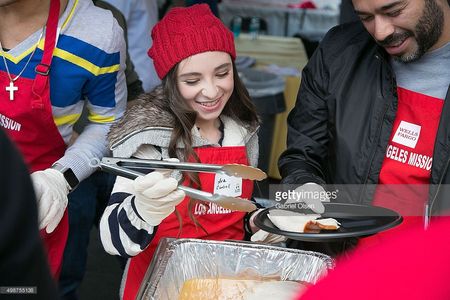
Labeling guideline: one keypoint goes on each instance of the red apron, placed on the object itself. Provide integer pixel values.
(220, 223)
(405, 173)
(31, 126)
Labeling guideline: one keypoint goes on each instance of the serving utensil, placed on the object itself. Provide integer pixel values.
(233, 203)
(238, 170)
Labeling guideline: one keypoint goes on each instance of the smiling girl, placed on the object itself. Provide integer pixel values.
(201, 112)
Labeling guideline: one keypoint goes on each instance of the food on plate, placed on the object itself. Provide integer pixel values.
(315, 226)
(239, 289)
(302, 223)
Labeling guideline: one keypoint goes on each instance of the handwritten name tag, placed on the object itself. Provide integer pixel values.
(227, 185)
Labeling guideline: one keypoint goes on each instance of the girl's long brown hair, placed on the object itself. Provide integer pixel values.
(239, 107)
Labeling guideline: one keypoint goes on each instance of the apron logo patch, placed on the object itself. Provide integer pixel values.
(407, 134)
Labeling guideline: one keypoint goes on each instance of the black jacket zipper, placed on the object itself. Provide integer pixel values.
(378, 56)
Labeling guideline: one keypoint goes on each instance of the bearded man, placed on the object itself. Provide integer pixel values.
(373, 110)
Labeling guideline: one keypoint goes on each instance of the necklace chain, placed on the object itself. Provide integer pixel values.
(26, 64)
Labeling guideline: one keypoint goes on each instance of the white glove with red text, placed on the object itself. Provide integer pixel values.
(262, 236)
(156, 196)
(51, 189)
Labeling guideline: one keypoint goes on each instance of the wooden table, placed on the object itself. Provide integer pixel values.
(267, 49)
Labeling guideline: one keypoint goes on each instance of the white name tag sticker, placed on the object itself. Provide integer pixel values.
(227, 185)
(407, 134)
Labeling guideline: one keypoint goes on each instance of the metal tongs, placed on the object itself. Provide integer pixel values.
(237, 170)
(127, 168)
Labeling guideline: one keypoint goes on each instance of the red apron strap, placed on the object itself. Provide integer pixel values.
(43, 68)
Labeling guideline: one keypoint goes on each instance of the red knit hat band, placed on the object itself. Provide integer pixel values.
(184, 32)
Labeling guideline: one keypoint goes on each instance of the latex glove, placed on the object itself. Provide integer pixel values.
(265, 237)
(262, 236)
(307, 193)
(51, 189)
(156, 196)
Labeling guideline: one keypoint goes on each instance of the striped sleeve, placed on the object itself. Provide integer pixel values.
(122, 231)
(107, 86)
(105, 89)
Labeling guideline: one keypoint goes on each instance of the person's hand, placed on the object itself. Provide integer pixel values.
(156, 196)
(261, 236)
(51, 189)
(312, 194)
(265, 237)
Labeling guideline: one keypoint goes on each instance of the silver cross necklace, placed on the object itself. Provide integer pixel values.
(11, 88)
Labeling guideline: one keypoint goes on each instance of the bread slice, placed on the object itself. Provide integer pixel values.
(239, 289)
(301, 223)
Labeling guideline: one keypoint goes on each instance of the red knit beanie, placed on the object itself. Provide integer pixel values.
(185, 31)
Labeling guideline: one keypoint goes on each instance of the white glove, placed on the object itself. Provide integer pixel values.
(262, 236)
(312, 194)
(265, 237)
(156, 196)
(51, 189)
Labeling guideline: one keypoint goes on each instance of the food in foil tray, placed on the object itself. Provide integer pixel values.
(239, 289)
(203, 269)
(299, 222)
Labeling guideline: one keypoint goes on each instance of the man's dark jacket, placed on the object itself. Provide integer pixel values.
(22, 259)
(339, 130)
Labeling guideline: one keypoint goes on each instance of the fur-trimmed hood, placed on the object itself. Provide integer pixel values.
(146, 112)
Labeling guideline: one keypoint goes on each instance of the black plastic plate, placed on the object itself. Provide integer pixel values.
(356, 221)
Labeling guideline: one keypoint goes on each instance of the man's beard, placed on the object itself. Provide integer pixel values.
(7, 2)
(427, 32)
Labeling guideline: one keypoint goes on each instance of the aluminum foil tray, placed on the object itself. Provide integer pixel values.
(177, 260)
